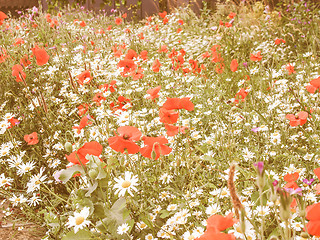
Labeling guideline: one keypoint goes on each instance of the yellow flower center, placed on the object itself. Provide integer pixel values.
(4, 181)
(79, 220)
(126, 184)
(17, 200)
(27, 168)
(38, 182)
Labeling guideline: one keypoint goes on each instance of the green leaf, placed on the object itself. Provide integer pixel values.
(117, 215)
(91, 188)
(99, 210)
(66, 174)
(164, 214)
(80, 235)
(209, 158)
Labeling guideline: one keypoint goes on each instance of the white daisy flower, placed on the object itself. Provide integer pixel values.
(4, 181)
(79, 220)
(34, 200)
(126, 185)
(123, 228)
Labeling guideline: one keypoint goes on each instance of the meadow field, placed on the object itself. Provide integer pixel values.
(173, 127)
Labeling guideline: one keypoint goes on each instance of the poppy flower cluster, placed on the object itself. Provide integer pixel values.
(128, 135)
(169, 116)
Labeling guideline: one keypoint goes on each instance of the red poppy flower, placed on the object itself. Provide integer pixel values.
(211, 234)
(41, 55)
(3, 55)
(279, 40)
(153, 92)
(13, 122)
(2, 17)
(156, 65)
(98, 98)
(313, 215)
(290, 69)
(165, 20)
(125, 141)
(25, 61)
(127, 64)
(178, 103)
(299, 120)
(155, 144)
(240, 95)
(256, 57)
(84, 77)
(163, 14)
(83, 123)
(131, 54)
(317, 173)
(174, 130)
(83, 24)
(91, 148)
(232, 15)
(83, 108)
(118, 21)
(314, 84)
(168, 116)
(163, 49)
(31, 139)
(18, 41)
(234, 65)
(137, 74)
(216, 224)
(18, 73)
(124, 15)
(227, 24)
(290, 179)
(144, 55)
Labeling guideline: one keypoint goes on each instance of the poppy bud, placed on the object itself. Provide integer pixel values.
(93, 173)
(284, 213)
(302, 213)
(68, 147)
(260, 182)
(273, 197)
(304, 235)
(153, 155)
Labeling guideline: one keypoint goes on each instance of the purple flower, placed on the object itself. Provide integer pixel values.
(275, 183)
(245, 64)
(292, 191)
(255, 129)
(308, 182)
(259, 166)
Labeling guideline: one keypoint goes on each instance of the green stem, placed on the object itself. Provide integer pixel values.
(262, 217)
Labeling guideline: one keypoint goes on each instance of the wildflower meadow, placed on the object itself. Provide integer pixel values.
(176, 126)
